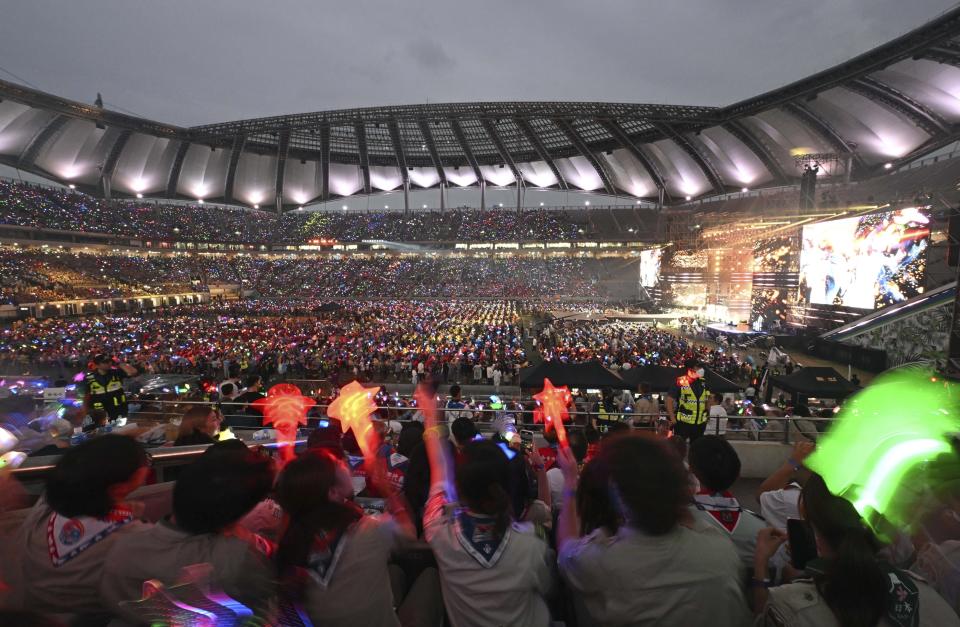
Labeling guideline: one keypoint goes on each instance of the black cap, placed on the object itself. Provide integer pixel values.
(691, 364)
(101, 358)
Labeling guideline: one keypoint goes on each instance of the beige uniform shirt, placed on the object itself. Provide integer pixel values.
(241, 570)
(355, 588)
(54, 564)
(689, 576)
(511, 591)
(800, 605)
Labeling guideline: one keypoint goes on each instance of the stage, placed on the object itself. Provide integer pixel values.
(732, 332)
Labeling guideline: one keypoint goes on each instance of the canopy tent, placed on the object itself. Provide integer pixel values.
(590, 374)
(817, 382)
(663, 378)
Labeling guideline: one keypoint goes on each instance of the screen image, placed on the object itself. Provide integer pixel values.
(865, 262)
(650, 267)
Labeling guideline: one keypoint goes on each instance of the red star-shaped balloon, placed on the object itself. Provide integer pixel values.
(552, 409)
(353, 408)
(285, 408)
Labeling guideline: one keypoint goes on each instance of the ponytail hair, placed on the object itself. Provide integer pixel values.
(303, 493)
(853, 584)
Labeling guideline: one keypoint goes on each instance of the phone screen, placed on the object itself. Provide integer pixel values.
(803, 545)
(526, 439)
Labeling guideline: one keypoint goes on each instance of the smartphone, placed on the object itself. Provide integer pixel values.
(526, 439)
(803, 545)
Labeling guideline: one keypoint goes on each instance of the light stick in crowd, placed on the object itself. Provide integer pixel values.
(552, 409)
(881, 449)
(353, 408)
(286, 409)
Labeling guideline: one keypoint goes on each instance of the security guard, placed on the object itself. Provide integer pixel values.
(102, 387)
(688, 403)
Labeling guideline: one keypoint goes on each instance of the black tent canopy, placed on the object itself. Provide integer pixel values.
(814, 381)
(663, 378)
(590, 374)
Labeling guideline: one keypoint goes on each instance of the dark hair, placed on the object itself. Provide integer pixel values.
(303, 492)
(329, 437)
(193, 419)
(651, 481)
(79, 483)
(220, 487)
(463, 430)
(455, 391)
(411, 434)
(717, 396)
(715, 462)
(853, 584)
(594, 507)
(251, 381)
(483, 481)
(578, 444)
(679, 445)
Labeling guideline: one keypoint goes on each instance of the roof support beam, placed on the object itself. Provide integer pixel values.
(239, 140)
(581, 146)
(897, 101)
(621, 136)
(822, 128)
(174, 178)
(398, 150)
(110, 163)
(527, 129)
(749, 139)
(283, 147)
(687, 146)
(465, 146)
(491, 130)
(943, 54)
(325, 162)
(361, 131)
(432, 149)
(29, 155)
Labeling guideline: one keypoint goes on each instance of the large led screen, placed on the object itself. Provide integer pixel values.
(865, 262)
(650, 267)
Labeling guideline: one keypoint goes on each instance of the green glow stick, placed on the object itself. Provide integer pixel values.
(884, 434)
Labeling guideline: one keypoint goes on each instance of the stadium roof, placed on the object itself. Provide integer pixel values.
(887, 106)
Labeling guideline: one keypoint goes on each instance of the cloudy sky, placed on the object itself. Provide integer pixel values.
(197, 61)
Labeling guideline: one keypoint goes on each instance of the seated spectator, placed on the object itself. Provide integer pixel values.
(334, 559)
(211, 495)
(666, 565)
(199, 425)
(716, 465)
(717, 420)
(780, 492)
(847, 585)
(493, 571)
(56, 561)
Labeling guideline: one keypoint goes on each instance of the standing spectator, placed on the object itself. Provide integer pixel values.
(717, 422)
(57, 559)
(102, 386)
(477, 374)
(497, 376)
(646, 411)
(493, 571)
(661, 562)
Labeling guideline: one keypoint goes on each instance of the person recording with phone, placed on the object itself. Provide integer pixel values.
(844, 582)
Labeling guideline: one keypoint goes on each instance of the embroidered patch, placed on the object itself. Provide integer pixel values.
(477, 536)
(69, 537)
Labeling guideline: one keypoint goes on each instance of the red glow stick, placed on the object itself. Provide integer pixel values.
(353, 408)
(286, 409)
(552, 410)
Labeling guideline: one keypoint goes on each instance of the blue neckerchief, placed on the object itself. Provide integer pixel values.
(477, 536)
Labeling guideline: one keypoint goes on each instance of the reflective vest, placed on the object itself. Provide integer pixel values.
(692, 409)
(106, 397)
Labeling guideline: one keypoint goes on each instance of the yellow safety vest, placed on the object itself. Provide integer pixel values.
(114, 389)
(692, 409)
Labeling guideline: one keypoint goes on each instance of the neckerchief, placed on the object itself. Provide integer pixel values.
(723, 506)
(476, 534)
(903, 596)
(325, 555)
(69, 537)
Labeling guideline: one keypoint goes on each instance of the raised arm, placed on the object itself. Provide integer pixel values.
(568, 524)
(436, 451)
(785, 473)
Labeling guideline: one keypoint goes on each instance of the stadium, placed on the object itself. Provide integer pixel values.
(470, 363)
